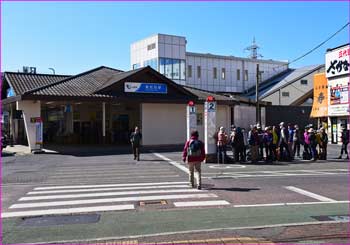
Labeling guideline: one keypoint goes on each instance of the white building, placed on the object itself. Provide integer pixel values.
(167, 54)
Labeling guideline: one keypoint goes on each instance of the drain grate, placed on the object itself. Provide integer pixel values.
(157, 202)
(61, 220)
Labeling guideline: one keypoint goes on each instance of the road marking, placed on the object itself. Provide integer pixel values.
(175, 164)
(105, 194)
(226, 167)
(106, 189)
(309, 194)
(287, 204)
(108, 185)
(201, 203)
(67, 211)
(106, 200)
(108, 173)
(116, 177)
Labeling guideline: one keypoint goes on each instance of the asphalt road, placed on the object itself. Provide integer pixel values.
(70, 198)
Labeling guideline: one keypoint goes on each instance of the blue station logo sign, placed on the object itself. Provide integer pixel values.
(151, 88)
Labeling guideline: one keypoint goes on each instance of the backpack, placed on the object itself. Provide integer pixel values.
(194, 148)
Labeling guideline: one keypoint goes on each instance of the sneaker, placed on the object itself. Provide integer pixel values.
(339, 157)
(347, 157)
(199, 187)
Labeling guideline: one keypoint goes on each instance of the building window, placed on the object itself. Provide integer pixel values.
(238, 74)
(151, 46)
(152, 63)
(198, 72)
(215, 73)
(285, 94)
(182, 70)
(176, 69)
(245, 75)
(162, 65)
(189, 71)
(223, 73)
(303, 82)
(168, 68)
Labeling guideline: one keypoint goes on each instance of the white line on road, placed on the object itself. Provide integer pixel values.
(105, 189)
(287, 204)
(107, 185)
(175, 164)
(309, 194)
(106, 194)
(67, 211)
(115, 176)
(106, 200)
(202, 203)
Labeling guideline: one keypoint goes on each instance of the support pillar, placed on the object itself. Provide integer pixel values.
(191, 117)
(210, 129)
(30, 109)
(104, 122)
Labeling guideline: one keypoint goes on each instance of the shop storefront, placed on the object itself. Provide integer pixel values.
(337, 73)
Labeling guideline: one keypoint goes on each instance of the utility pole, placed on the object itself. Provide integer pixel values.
(257, 94)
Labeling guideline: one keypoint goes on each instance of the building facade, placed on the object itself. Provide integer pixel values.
(337, 74)
(103, 105)
(167, 54)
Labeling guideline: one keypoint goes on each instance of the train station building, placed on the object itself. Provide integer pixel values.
(104, 104)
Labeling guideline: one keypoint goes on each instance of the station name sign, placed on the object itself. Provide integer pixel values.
(150, 88)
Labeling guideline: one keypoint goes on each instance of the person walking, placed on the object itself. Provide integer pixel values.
(275, 140)
(253, 141)
(296, 141)
(323, 145)
(313, 143)
(194, 154)
(238, 143)
(231, 141)
(221, 143)
(244, 150)
(268, 138)
(135, 139)
(290, 139)
(284, 149)
(345, 142)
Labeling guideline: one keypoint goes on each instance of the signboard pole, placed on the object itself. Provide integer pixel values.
(191, 117)
(210, 129)
(38, 134)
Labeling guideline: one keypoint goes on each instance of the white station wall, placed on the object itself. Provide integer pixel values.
(165, 124)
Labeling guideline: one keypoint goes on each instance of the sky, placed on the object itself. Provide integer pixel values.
(73, 37)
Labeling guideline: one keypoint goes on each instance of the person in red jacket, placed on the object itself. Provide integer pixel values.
(194, 153)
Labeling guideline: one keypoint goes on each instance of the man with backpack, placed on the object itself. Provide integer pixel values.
(194, 153)
(135, 139)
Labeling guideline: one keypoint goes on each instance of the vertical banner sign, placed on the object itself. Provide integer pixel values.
(39, 132)
(210, 125)
(191, 118)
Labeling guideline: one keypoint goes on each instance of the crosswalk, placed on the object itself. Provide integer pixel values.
(73, 199)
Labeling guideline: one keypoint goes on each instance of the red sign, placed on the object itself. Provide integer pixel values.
(210, 98)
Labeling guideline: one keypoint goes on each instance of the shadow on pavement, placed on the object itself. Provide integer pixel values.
(234, 189)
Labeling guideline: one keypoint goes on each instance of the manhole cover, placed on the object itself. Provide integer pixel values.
(61, 220)
(343, 218)
(157, 202)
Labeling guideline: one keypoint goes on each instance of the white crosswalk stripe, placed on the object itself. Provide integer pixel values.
(72, 199)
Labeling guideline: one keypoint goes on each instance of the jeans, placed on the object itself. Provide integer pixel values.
(221, 153)
(296, 148)
(136, 151)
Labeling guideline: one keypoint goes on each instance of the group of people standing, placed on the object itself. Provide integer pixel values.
(275, 143)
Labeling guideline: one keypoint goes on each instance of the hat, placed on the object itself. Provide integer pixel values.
(221, 128)
(267, 128)
(281, 123)
(311, 130)
(258, 125)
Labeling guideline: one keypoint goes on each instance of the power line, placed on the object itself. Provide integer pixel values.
(309, 52)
